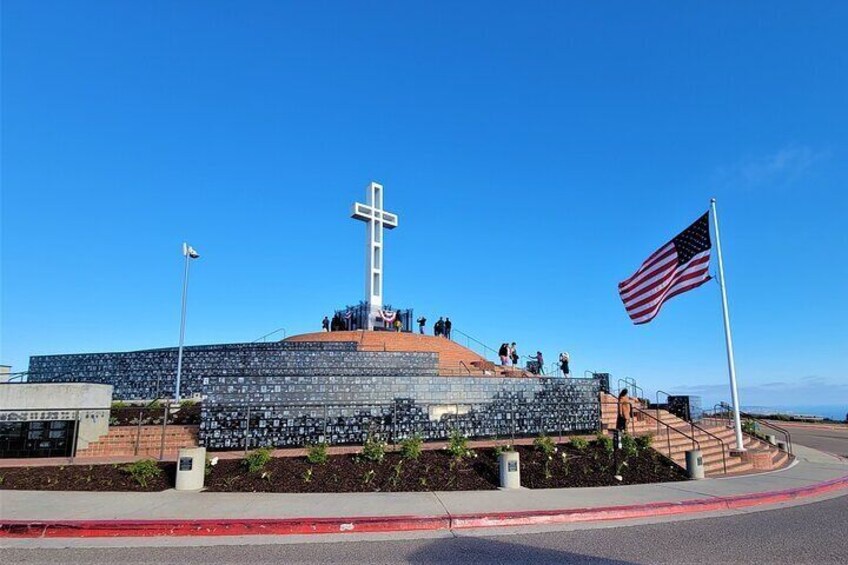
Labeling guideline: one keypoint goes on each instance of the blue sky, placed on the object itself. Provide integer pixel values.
(535, 154)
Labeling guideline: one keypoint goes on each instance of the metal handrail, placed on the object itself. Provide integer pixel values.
(485, 347)
(462, 363)
(721, 441)
(262, 338)
(631, 383)
(760, 421)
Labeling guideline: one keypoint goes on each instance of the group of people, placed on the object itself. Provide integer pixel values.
(337, 324)
(508, 354)
(442, 327)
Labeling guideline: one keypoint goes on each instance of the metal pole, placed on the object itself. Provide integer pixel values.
(731, 364)
(138, 430)
(164, 426)
(182, 326)
(75, 437)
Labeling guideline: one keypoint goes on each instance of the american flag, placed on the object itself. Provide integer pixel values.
(680, 265)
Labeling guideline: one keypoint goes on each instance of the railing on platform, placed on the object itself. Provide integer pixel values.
(474, 345)
(723, 412)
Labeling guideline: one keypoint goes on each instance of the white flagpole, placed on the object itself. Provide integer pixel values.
(177, 391)
(731, 364)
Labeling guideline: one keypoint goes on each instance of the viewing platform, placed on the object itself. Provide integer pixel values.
(454, 359)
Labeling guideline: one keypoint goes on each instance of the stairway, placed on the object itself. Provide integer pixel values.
(673, 437)
(121, 441)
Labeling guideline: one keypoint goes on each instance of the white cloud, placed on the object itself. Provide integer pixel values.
(778, 169)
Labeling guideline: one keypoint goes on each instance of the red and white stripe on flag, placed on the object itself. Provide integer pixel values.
(680, 265)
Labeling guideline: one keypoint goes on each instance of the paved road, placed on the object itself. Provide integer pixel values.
(832, 440)
(813, 533)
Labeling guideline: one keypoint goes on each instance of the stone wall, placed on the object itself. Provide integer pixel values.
(151, 373)
(280, 411)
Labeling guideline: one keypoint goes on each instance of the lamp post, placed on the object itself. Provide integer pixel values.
(189, 253)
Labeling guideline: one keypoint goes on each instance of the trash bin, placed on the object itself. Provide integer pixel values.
(510, 470)
(191, 468)
(772, 440)
(694, 464)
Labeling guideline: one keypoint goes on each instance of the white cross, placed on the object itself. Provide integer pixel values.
(376, 219)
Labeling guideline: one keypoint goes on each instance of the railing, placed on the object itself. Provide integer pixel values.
(669, 428)
(269, 334)
(631, 384)
(727, 409)
(694, 427)
(460, 337)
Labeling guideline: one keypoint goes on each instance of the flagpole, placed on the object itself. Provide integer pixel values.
(731, 364)
(182, 325)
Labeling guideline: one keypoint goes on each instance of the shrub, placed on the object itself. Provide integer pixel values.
(579, 443)
(317, 454)
(154, 405)
(374, 449)
(458, 445)
(118, 404)
(411, 447)
(605, 442)
(210, 462)
(545, 444)
(307, 475)
(749, 427)
(644, 442)
(187, 402)
(142, 471)
(257, 459)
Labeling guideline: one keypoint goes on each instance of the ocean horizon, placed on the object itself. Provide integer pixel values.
(831, 411)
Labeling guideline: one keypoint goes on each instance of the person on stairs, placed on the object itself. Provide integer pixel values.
(625, 411)
(422, 321)
(563, 364)
(513, 354)
(325, 324)
(503, 353)
(448, 325)
(439, 327)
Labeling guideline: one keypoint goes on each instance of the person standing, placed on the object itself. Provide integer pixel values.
(540, 361)
(422, 321)
(513, 354)
(625, 411)
(503, 353)
(439, 327)
(398, 324)
(325, 324)
(563, 364)
(448, 326)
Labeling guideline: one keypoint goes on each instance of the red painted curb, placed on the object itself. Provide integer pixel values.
(262, 526)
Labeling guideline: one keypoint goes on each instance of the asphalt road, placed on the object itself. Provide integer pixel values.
(831, 440)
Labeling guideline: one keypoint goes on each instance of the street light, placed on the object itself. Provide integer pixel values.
(189, 253)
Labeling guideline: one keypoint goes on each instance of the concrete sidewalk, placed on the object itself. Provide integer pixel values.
(815, 472)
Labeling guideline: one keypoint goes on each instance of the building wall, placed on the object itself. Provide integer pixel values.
(294, 411)
(59, 401)
(149, 374)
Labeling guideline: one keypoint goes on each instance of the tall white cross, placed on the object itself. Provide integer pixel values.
(376, 219)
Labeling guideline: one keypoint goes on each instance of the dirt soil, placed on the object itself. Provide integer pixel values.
(83, 478)
(433, 470)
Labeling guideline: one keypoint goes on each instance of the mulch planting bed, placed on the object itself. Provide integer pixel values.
(434, 470)
(83, 478)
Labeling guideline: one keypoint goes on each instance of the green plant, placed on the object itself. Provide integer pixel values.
(411, 447)
(749, 427)
(368, 476)
(546, 445)
(629, 446)
(154, 405)
(644, 442)
(187, 402)
(605, 442)
(210, 462)
(3, 479)
(257, 459)
(458, 446)
(397, 469)
(119, 404)
(307, 475)
(317, 454)
(579, 443)
(500, 449)
(142, 471)
(374, 449)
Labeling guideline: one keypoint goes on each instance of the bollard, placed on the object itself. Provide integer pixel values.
(510, 470)
(191, 468)
(694, 464)
(772, 440)
(781, 445)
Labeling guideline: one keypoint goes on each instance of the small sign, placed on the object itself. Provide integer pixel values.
(185, 463)
(512, 466)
